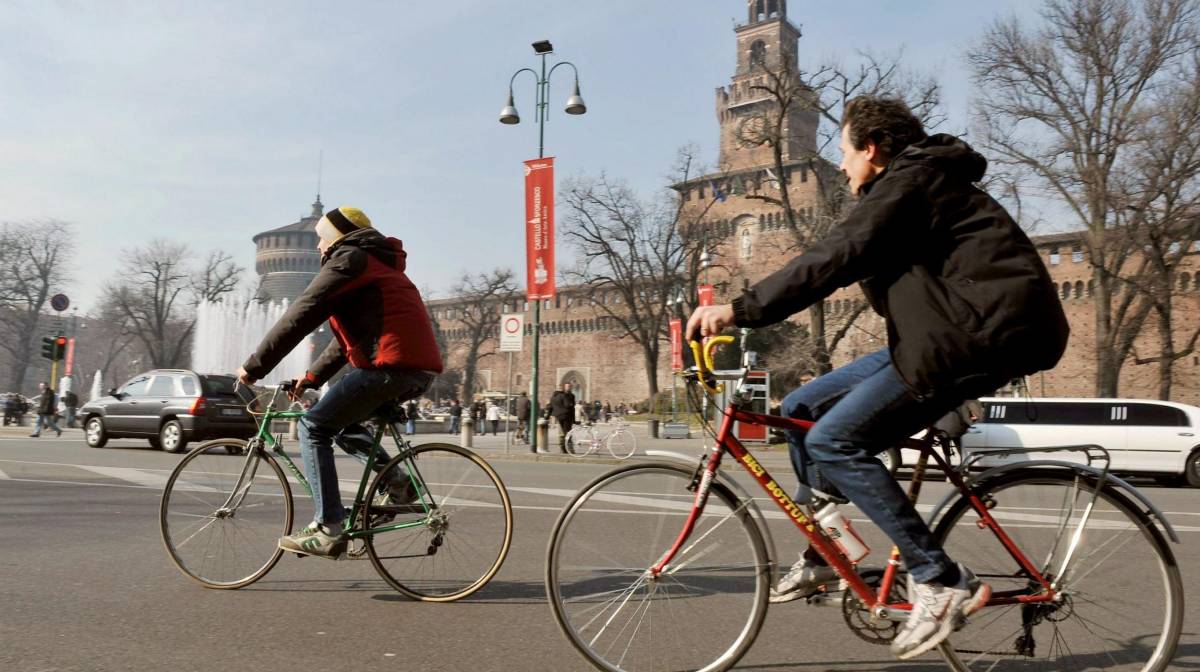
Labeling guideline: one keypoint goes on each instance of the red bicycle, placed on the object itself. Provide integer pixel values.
(667, 565)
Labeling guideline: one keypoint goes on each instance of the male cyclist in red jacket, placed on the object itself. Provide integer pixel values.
(382, 330)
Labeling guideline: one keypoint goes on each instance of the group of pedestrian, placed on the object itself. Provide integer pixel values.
(15, 408)
(48, 408)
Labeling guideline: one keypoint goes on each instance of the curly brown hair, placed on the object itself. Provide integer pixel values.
(885, 121)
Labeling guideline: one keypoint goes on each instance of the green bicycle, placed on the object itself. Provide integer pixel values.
(221, 521)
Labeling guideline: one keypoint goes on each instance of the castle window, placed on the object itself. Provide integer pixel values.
(1076, 253)
(1184, 281)
(1055, 258)
(1066, 290)
(747, 244)
(804, 173)
(1091, 288)
(1078, 289)
(758, 54)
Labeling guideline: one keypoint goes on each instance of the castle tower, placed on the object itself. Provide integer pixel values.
(286, 259)
(766, 42)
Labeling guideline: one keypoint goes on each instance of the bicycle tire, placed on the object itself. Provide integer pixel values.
(580, 441)
(468, 497)
(209, 483)
(621, 444)
(1114, 629)
(582, 569)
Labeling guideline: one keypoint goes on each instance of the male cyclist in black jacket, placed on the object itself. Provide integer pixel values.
(968, 306)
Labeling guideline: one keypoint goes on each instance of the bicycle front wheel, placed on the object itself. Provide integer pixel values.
(621, 444)
(454, 539)
(701, 613)
(581, 440)
(221, 517)
(1122, 599)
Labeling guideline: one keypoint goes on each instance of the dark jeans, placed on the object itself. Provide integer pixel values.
(45, 421)
(352, 399)
(564, 427)
(455, 424)
(860, 410)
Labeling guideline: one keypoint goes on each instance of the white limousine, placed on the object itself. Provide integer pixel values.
(1142, 436)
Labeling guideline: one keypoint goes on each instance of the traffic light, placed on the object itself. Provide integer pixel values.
(54, 348)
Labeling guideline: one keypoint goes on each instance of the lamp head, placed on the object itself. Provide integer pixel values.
(542, 47)
(509, 115)
(575, 102)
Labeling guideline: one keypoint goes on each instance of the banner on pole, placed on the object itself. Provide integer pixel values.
(70, 356)
(705, 294)
(539, 228)
(676, 345)
(512, 333)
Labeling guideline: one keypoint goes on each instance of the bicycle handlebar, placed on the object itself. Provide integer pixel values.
(703, 354)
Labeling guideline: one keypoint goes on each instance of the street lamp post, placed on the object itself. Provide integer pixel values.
(508, 115)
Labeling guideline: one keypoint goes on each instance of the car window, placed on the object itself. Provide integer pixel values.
(163, 386)
(1156, 416)
(1047, 413)
(136, 387)
(219, 385)
(189, 386)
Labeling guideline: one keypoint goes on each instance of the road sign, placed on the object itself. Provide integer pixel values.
(59, 302)
(512, 333)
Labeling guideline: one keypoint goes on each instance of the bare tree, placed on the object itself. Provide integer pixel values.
(481, 296)
(33, 260)
(216, 276)
(635, 256)
(154, 291)
(1161, 186)
(823, 93)
(1065, 102)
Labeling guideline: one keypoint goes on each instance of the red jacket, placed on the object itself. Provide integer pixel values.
(378, 318)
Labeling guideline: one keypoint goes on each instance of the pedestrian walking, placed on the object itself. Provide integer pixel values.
(70, 404)
(493, 416)
(562, 409)
(410, 413)
(523, 407)
(455, 416)
(46, 408)
(607, 412)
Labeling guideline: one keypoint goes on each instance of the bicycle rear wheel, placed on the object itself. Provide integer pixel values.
(221, 517)
(701, 613)
(1122, 605)
(621, 443)
(580, 440)
(460, 540)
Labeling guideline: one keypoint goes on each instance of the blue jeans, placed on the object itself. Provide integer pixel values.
(45, 421)
(352, 399)
(861, 409)
(455, 424)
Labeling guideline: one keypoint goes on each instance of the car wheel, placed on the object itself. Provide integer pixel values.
(891, 460)
(94, 433)
(170, 437)
(1191, 470)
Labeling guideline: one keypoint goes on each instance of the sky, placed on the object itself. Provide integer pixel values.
(203, 122)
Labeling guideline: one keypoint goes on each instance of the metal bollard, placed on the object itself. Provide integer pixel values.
(543, 430)
(468, 435)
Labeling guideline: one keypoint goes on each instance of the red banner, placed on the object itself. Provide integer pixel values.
(676, 345)
(705, 294)
(70, 356)
(539, 228)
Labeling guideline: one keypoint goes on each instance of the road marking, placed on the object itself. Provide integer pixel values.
(135, 476)
(4, 476)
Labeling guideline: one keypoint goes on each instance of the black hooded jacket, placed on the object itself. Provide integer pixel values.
(967, 300)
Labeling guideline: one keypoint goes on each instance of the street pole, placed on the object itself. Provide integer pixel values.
(508, 115)
(507, 406)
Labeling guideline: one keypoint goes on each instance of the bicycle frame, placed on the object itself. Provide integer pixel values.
(876, 601)
(264, 439)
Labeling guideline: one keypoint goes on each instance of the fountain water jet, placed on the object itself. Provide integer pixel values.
(229, 330)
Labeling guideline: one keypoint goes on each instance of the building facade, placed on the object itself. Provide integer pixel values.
(286, 258)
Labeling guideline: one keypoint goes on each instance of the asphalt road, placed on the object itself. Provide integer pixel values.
(86, 585)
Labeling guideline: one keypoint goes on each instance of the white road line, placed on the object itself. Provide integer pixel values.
(135, 476)
(4, 476)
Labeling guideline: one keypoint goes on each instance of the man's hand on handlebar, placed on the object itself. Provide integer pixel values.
(295, 388)
(709, 321)
(243, 377)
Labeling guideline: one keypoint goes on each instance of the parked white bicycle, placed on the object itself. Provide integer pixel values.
(588, 439)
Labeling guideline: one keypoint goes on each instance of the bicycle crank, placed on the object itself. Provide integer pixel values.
(859, 618)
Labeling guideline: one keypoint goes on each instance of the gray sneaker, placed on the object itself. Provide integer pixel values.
(937, 612)
(401, 497)
(313, 540)
(804, 580)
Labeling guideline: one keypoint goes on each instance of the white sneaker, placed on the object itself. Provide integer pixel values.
(938, 611)
(804, 579)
